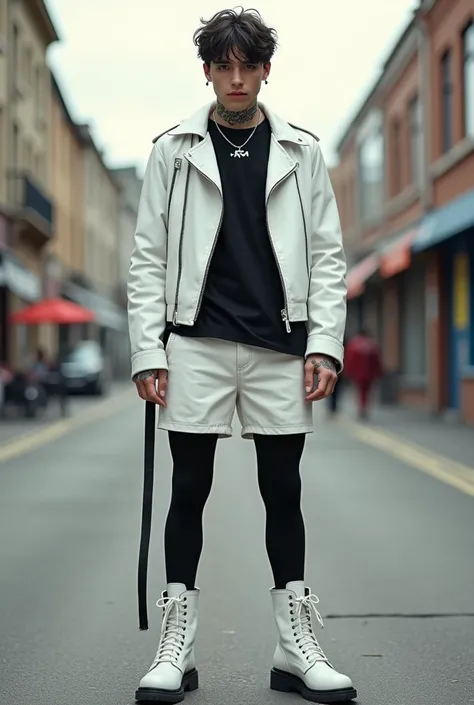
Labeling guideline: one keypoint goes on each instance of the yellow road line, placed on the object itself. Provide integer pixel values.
(28, 442)
(443, 469)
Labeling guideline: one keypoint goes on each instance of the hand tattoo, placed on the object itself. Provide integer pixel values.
(328, 364)
(146, 374)
(236, 117)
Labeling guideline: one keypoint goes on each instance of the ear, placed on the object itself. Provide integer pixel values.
(207, 72)
(266, 71)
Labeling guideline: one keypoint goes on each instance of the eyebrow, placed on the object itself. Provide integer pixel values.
(226, 62)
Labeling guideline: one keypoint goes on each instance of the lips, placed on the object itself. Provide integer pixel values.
(237, 94)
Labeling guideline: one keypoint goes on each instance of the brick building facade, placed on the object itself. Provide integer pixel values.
(405, 189)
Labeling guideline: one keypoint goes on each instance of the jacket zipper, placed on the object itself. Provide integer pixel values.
(177, 167)
(284, 312)
(180, 246)
(285, 316)
(305, 229)
(201, 293)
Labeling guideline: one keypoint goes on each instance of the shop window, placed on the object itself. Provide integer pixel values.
(416, 140)
(371, 171)
(446, 102)
(468, 73)
(396, 157)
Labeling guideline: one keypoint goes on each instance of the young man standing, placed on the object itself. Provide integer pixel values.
(237, 300)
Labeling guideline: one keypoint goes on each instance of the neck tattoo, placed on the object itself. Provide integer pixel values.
(236, 117)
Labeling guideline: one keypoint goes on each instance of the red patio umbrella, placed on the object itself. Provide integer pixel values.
(53, 311)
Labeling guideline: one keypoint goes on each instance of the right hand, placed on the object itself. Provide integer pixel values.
(147, 388)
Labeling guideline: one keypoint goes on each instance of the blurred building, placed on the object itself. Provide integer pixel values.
(95, 286)
(65, 254)
(61, 214)
(26, 207)
(131, 186)
(405, 189)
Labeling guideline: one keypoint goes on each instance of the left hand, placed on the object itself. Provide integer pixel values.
(324, 369)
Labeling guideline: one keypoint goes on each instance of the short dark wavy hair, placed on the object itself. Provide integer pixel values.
(243, 33)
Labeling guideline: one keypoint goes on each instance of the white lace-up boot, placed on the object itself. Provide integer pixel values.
(173, 671)
(299, 663)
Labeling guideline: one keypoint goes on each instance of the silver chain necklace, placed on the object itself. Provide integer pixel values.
(239, 149)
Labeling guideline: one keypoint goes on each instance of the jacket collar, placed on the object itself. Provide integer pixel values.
(197, 125)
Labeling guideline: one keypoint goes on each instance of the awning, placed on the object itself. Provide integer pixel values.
(358, 275)
(452, 219)
(58, 311)
(396, 257)
(18, 279)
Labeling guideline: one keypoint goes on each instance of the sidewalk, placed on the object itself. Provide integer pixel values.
(444, 438)
(14, 428)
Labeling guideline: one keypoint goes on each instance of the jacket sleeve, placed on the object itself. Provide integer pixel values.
(147, 273)
(327, 291)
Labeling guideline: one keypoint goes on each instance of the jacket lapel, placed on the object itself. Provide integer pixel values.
(203, 158)
(280, 165)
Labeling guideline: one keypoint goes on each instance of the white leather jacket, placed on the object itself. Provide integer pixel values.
(179, 219)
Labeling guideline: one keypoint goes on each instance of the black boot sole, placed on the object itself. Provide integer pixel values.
(154, 695)
(288, 683)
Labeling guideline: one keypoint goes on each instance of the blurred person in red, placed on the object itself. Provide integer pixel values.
(363, 366)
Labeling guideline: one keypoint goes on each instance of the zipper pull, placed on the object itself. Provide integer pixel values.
(284, 316)
(177, 164)
(175, 318)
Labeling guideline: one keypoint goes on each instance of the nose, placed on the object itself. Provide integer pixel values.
(237, 81)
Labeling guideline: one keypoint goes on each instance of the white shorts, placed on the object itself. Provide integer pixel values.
(208, 379)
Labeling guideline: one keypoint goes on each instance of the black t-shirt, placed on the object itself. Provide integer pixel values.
(243, 296)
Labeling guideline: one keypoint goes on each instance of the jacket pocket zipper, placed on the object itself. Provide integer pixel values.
(305, 231)
(177, 167)
(180, 245)
(285, 316)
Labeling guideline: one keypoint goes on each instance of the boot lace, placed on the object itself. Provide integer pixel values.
(173, 629)
(307, 640)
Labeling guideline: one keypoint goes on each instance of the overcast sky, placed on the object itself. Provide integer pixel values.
(130, 67)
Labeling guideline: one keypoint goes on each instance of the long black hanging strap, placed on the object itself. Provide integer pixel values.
(147, 508)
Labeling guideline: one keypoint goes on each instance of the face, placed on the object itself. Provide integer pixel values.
(236, 83)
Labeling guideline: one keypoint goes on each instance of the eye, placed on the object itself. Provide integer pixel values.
(222, 67)
(251, 67)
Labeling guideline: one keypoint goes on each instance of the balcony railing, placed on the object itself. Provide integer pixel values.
(36, 201)
(32, 204)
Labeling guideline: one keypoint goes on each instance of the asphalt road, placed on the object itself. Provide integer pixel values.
(390, 554)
